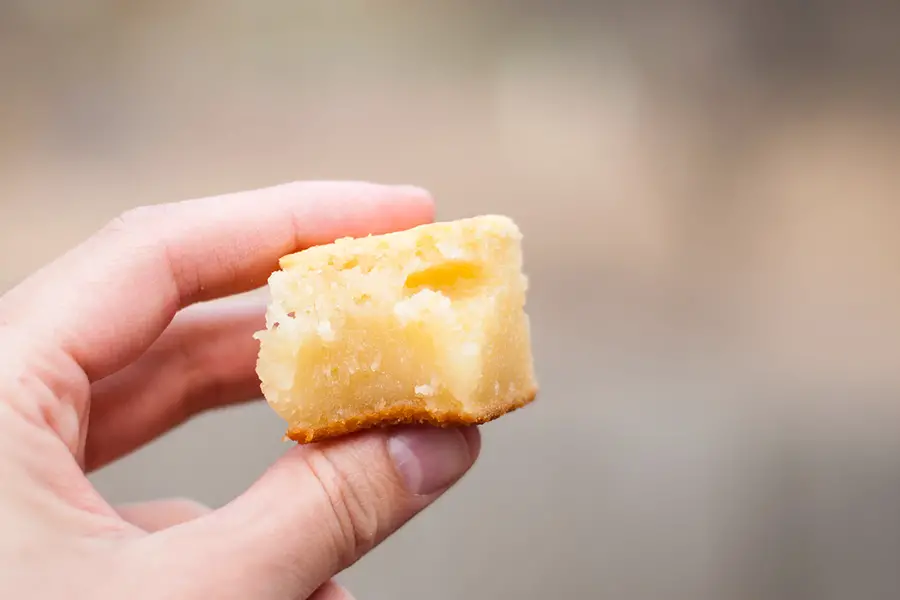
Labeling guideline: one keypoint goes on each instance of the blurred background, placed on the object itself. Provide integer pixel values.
(710, 194)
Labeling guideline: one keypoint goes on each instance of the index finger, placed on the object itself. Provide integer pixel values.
(107, 300)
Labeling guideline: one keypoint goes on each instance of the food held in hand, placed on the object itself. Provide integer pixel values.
(426, 325)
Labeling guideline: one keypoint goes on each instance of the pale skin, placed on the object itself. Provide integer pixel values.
(127, 336)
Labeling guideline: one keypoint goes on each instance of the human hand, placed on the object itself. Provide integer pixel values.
(101, 333)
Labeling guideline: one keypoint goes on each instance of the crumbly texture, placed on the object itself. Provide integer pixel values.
(421, 326)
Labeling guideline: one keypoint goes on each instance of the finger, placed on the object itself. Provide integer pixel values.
(321, 507)
(205, 359)
(162, 514)
(331, 591)
(107, 300)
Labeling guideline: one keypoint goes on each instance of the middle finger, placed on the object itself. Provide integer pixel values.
(205, 359)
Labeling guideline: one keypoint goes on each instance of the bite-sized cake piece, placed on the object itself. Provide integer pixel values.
(420, 326)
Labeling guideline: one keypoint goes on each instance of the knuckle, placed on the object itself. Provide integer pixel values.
(142, 220)
(148, 231)
(45, 387)
(133, 218)
(352, 499)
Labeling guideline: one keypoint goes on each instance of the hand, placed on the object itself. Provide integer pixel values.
(102, 333)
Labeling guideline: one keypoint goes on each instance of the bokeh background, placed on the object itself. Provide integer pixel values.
(710, 193)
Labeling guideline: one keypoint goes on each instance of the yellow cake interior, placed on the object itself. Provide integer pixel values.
(424, 325)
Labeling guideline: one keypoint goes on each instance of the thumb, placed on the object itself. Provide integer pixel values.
(319, 509)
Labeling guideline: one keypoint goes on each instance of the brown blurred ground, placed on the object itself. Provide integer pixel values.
(710, 193)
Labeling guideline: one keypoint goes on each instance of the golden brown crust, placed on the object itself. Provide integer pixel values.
(405, 415)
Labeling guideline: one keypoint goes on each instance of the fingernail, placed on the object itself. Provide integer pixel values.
(429, 458)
